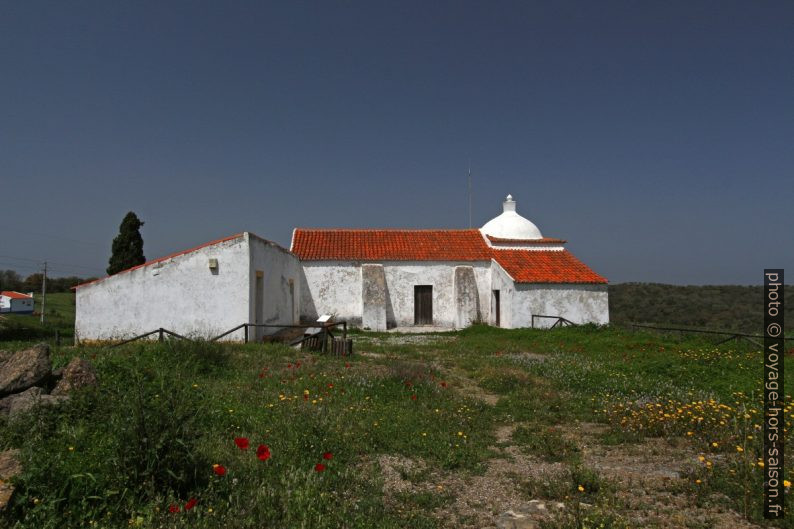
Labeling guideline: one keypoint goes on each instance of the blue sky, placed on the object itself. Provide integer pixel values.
(656, 137)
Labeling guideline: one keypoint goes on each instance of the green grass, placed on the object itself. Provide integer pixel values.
(59, 316)
(165, 413)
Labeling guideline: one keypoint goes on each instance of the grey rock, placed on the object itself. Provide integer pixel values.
(21, 402)
(79, 373)
(25, 369)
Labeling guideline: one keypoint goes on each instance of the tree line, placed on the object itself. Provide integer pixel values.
(721, 307)
(11, 280)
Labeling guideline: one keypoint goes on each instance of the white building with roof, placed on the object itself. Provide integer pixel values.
(506, 274)
(502, 274)
(200, 292)
(16, 302)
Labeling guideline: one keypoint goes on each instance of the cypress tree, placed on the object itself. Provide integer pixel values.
(127, 246)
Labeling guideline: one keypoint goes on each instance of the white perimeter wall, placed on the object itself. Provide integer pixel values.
(181, 294)
(334, 287)
(578, 303)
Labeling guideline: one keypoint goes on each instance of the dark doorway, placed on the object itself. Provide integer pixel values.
(423, 305)
(497, 309)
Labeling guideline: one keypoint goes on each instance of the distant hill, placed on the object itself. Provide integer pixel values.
(728, 307)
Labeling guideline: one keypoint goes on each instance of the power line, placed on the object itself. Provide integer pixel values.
(60, 264)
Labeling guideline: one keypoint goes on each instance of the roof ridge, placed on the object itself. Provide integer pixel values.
(169, 256)
(388, 229)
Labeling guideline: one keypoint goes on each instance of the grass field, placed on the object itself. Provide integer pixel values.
(440, 430)
(59, 316)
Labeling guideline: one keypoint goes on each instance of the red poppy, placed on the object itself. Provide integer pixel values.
(261, 375)
(297, 364)
(328, 455)
(330, 386)
(443, 384)
(241, 442)
(319, 467)
(289, 366)
(173, 508)
(220, 470)
(191, 503)
(347, 365)
(263, 452)
(413, 397)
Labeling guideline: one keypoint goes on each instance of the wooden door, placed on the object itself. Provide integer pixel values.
(423, 305)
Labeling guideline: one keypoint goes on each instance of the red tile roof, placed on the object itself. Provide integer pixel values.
(524, 266)
(14, 295)
(545, 266)
(544, 240)
(153, 261)
(389, 245)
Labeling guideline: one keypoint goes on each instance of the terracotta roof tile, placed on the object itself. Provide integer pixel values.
(525, 266)
(14, 295)
(389, 245)
(545, 266)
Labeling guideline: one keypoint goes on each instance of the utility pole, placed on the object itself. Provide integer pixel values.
(470, 194)
(43, 291)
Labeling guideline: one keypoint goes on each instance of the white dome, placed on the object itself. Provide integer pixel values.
(511, 225)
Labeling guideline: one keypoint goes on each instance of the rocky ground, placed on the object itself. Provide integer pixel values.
(27, 380)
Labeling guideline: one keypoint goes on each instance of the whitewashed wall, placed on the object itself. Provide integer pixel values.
(279, 268)
(331, 287)
(181, 294)
(334, 287)
(184, 295)
(578, 303)
(401, 277)
(501, 281)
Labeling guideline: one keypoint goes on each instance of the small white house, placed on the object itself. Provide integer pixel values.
(16, 302)
(506, 274)
(200, 292)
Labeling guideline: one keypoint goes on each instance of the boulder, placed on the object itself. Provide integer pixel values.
(9, 467)
(28, 399)
(25, 369)
(77, 374)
